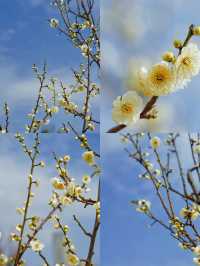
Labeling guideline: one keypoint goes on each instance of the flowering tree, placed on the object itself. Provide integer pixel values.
(78, 21)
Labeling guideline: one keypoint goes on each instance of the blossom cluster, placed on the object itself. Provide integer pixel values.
(170, 75)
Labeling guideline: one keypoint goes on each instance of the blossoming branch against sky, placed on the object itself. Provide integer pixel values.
(144, 242)
(49, 62)
(133, 50)
(154, 33)
(27, 38)
(32, 41)
(12, 158)
(171, 74)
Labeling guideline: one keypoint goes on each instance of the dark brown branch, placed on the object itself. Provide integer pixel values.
(189, 36)
(93, 235)
(116, 129)
(81, 226)
(149, 106)
(44, 258)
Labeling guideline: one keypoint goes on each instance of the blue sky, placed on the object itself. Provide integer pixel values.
(26, 37)
(13, 181)
(125, 234)
(32, 40)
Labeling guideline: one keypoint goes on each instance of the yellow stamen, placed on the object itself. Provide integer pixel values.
(127, 108)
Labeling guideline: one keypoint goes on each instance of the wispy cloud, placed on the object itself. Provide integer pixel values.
(16, 88)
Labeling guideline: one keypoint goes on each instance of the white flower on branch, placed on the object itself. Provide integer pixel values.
(64, 200)
(57, 183)
(3, 259)
(54, 23)
(88, 157)
(72, 259)
(196, 250)
(155, 142)
(127, 108)
(196, 260)
(197, 148)
(86, 179)
(143, 206)
(188, 62)
(187, 213)
(36, 245)
(55, 109)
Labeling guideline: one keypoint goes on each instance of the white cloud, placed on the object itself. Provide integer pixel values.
(17, 89)
(111, 58)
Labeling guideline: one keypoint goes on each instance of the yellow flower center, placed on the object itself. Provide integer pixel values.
(127, 108)
(187, 61)
(159, 75)
(88, 157)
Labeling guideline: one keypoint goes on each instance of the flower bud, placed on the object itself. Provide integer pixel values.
(155, 142)
(168, 57)
(196, 30)
(178, 44)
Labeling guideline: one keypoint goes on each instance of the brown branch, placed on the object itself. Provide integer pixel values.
(93, 235)
(86, 104)
(26, 246)
(81, 226)
(6, 110)
(189, 36)
(149, 106)
(117, 128)
(37, 105)
(43, 258)
(192, 184)
(28, 198)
